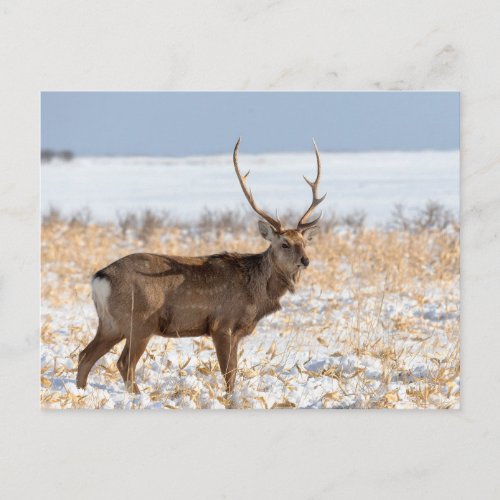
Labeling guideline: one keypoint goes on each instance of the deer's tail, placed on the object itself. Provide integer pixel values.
(101, 292)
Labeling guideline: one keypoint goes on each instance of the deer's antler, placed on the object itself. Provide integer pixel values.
(276, 223)
(302, 224)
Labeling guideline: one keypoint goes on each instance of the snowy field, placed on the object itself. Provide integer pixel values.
(373, 182)
(294, 360)
(375, 324)
(375, 321)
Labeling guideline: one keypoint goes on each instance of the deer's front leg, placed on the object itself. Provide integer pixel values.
(226, 347)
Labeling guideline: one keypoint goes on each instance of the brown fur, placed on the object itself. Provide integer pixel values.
(222, 296)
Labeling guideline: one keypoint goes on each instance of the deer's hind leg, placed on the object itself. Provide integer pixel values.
(130, 356)
(102, 343)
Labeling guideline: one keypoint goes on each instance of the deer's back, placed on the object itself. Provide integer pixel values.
(185, 296)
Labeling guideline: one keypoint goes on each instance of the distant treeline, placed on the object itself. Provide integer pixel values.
(48, 155)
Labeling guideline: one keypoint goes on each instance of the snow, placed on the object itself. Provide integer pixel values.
(341, 354)
(291, 358)
(373, 182)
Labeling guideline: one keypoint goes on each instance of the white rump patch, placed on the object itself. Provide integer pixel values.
(101, 290)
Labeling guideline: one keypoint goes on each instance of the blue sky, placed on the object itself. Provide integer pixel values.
(203, 123)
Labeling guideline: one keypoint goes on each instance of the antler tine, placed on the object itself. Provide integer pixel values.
(276, 223)
(278, 219)
(302, 224)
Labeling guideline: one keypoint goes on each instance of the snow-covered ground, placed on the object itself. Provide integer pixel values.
(348, 344)
(331, 357)
(373, 182)
(376, 332)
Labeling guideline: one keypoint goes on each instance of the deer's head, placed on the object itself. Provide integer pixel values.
(288, 246)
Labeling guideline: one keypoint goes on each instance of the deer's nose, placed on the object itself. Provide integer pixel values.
(305, 261)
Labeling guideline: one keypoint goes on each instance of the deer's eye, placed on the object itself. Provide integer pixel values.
(285, 245)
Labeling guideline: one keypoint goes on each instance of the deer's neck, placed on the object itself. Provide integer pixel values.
(279, 281)
(268, 282)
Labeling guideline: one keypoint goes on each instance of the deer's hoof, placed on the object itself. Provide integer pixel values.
(132, 388)
(81, 384)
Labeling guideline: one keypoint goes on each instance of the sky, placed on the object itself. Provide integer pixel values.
(207, 123)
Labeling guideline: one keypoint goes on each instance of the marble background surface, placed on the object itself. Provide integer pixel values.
(271, 45)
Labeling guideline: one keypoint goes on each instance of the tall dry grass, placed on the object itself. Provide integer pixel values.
(366, 271)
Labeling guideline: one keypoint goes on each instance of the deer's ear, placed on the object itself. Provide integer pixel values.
(310, 233)
(266, 230)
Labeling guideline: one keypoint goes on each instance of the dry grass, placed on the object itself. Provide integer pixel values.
(376, 324)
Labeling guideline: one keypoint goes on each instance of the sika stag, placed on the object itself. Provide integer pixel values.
(223, 296)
